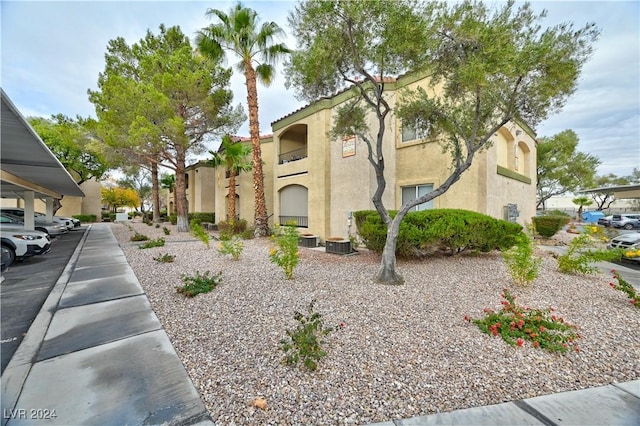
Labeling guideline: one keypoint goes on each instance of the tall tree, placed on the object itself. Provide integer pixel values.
(119, 197)
(486, 67)
(239, 32)
(233, 156)
(74, 145)
(164, 100)
(562, 169)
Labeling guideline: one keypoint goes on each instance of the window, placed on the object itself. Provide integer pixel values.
(409, 133)
(410, 193)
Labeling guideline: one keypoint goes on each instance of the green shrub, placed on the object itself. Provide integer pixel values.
(427, 232)
(232, 246)
(284, 252)
(517, 324)
(582, 252)
(548, 226)
(554, 213)
(158, 242)
(139, 237)
(85, 217)
(202, 217)
(166, 230)
(198, 231)
(229, 228)
(522, 264)
(305, 342)
(108, 217)
(199, 283)
(165, 258)
(173, 218)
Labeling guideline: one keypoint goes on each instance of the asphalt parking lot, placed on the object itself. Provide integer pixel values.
(26, 286)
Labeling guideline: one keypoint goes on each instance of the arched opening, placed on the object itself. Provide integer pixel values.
(522, 159)
(294, 205)
(505, 145)
(293, 144)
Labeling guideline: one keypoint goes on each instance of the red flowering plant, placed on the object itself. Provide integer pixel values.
(625, 287)
(517, 324)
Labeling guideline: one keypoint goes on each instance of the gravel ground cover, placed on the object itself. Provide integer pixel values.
(405, 350)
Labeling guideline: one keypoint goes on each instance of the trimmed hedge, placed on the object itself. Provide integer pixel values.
(427, 232)
(548, 226)
(85, 217)
(195, 216)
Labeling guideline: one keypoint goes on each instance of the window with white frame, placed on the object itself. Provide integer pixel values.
(410, 193)
(409, 133)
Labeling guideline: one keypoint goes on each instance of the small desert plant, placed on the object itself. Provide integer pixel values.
(139, 237)
(581, 253)
(233, 247)
(515, 324)
(199, 283)
(626, 288)
(165, 258)
(158, 242)
(166, 230)
(157, 226)
(198, 231)
(305, 342)
(521, 262)
(284, 253)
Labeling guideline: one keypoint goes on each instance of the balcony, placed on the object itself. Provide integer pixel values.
(300, 221)
(290, 156)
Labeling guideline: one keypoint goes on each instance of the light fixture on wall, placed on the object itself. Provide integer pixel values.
(518, 132)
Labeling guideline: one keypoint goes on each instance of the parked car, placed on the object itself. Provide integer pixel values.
(6, 259)
(626, 221)
(20, 243)
(630, 241)
(50, 228)
(39, 217)
(605, 221)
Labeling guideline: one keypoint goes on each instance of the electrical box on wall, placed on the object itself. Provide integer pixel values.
(511, 213)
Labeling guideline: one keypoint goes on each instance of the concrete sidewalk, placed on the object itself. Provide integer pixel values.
(96, 353)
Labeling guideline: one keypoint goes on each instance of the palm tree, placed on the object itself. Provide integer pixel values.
(238, 32)
(233, 156)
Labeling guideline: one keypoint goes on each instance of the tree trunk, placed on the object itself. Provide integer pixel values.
(387, 273)
(261, 223)
(57, 204)
(155, 192)
(232, 196)
(181, 191)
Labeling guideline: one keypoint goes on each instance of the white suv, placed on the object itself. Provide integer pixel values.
(21, 243)
(626, 221)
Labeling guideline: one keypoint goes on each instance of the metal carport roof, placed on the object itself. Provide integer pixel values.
(26, 163)
(622, 191)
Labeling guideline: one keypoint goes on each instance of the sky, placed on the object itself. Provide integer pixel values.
(52, 53)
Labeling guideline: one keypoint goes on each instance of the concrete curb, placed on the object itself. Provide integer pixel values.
(19, 367)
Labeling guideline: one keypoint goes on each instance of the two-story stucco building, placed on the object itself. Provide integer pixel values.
(318, 182)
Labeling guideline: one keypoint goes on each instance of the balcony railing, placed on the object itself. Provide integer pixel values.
(295, 155)
(300, 221)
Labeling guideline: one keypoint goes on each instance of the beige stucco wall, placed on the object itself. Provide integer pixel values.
(503, 173)
(244, 187)
(91, 203)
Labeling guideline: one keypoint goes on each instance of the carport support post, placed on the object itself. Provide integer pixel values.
(29, 220)
(49, 209)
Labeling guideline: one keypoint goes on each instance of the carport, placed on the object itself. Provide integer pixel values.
(621, 191)
(28, 168)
